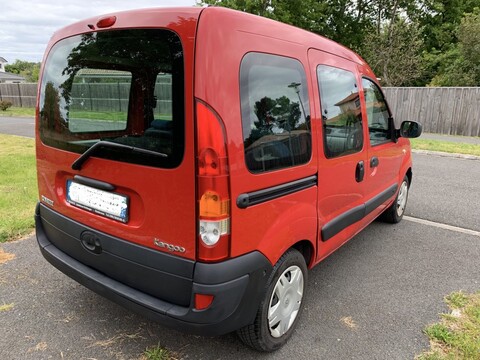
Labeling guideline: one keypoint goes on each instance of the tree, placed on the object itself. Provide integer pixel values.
(29, 70)
(469, 39)
(460, 65)
(407, 42)
(395, 53)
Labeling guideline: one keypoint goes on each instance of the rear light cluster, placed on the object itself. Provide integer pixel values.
(212, 186)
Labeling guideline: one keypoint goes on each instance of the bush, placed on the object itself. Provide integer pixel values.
(4, 105)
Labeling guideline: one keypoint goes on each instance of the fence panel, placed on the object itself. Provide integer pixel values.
(20, 95)
(450, 111)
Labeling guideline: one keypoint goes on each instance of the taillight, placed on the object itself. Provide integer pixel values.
(212, 186)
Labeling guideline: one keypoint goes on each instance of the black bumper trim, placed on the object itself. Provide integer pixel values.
(235, 304)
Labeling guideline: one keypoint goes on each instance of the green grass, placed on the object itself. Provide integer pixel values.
(445, 146)
(157, 353)
(98, 115)
(18, 111)
(18, 186)
(457, 335)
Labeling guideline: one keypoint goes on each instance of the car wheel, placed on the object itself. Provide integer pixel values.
(394, 213)
(281, 306)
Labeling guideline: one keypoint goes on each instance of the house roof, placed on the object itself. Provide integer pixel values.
(10, 77)
(349, 98)
(3, 59)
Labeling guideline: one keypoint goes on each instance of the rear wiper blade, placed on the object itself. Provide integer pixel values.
(77, 164)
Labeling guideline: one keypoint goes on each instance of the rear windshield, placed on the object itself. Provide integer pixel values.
(124, 87)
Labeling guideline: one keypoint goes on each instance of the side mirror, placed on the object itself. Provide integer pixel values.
(410, 129)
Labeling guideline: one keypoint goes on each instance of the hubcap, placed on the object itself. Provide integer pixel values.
(285, 301)
(402, 198)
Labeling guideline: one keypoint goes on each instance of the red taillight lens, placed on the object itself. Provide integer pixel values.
(212, 186)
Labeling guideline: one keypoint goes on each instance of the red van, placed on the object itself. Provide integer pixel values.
(193, 163)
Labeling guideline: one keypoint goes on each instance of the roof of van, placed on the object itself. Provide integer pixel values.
(263, 26)
(278, 30)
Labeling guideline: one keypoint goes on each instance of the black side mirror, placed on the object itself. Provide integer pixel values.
(410, 129)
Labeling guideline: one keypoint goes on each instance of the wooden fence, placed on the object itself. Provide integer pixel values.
(20, 95)
(451, 111)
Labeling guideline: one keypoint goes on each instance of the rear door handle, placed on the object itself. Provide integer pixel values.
(374, 162)
(360, 171)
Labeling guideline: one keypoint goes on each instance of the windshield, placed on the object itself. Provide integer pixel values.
(123, 86)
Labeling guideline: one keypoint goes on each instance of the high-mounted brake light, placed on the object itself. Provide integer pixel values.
(212, 186)
(106, 22)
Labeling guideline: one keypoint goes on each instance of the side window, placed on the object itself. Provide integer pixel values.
(377, 113)
(275, 112)
(341, 112)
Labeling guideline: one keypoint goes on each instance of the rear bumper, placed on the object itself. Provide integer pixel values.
(238, 284)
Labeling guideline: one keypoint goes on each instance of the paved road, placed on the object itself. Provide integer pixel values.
(389, 279)
(17, 126)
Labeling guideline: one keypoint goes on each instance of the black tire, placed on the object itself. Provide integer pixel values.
(288, 279)
(394, 213)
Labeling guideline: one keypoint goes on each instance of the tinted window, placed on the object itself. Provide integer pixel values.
(341, 112)
(377, 113)
(275, 112)
(122, 86)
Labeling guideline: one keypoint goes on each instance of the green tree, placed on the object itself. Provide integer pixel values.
(460, 65)
(407, 42)
(444, 62)
(29, 70)
(395, 53)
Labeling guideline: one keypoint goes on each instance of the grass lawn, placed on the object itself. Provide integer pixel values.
(457, 335)
(445, 146)
(18, 111)
(18, 186)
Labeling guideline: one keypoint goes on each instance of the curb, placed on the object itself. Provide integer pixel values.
(444, 154)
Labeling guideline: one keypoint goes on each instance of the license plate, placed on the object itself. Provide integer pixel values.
(108, 204)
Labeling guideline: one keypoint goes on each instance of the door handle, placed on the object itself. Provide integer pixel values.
(374, 162)
(360, 171)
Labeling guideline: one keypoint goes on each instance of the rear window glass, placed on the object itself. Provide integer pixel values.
(275, 112)
(123, 86)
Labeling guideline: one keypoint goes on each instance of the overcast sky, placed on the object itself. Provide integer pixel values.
(27, 25)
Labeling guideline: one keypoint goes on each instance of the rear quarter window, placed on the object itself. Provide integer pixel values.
(275, 112)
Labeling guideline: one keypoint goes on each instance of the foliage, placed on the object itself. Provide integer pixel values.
(408, 42)
(157, 353)
(4, 105)
(457, 336)
(18, 111)
(445, 146)
(459, 65)
(18, 186)
(29, 70)
(395, 53)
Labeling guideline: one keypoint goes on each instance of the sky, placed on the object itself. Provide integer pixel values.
(27, 25)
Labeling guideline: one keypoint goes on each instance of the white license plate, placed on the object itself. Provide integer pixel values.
(108, 204)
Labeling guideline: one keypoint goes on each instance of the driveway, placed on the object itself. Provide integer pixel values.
(369, 300)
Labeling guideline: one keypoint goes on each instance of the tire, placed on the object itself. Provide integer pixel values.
(281, 306)
(394, 213)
